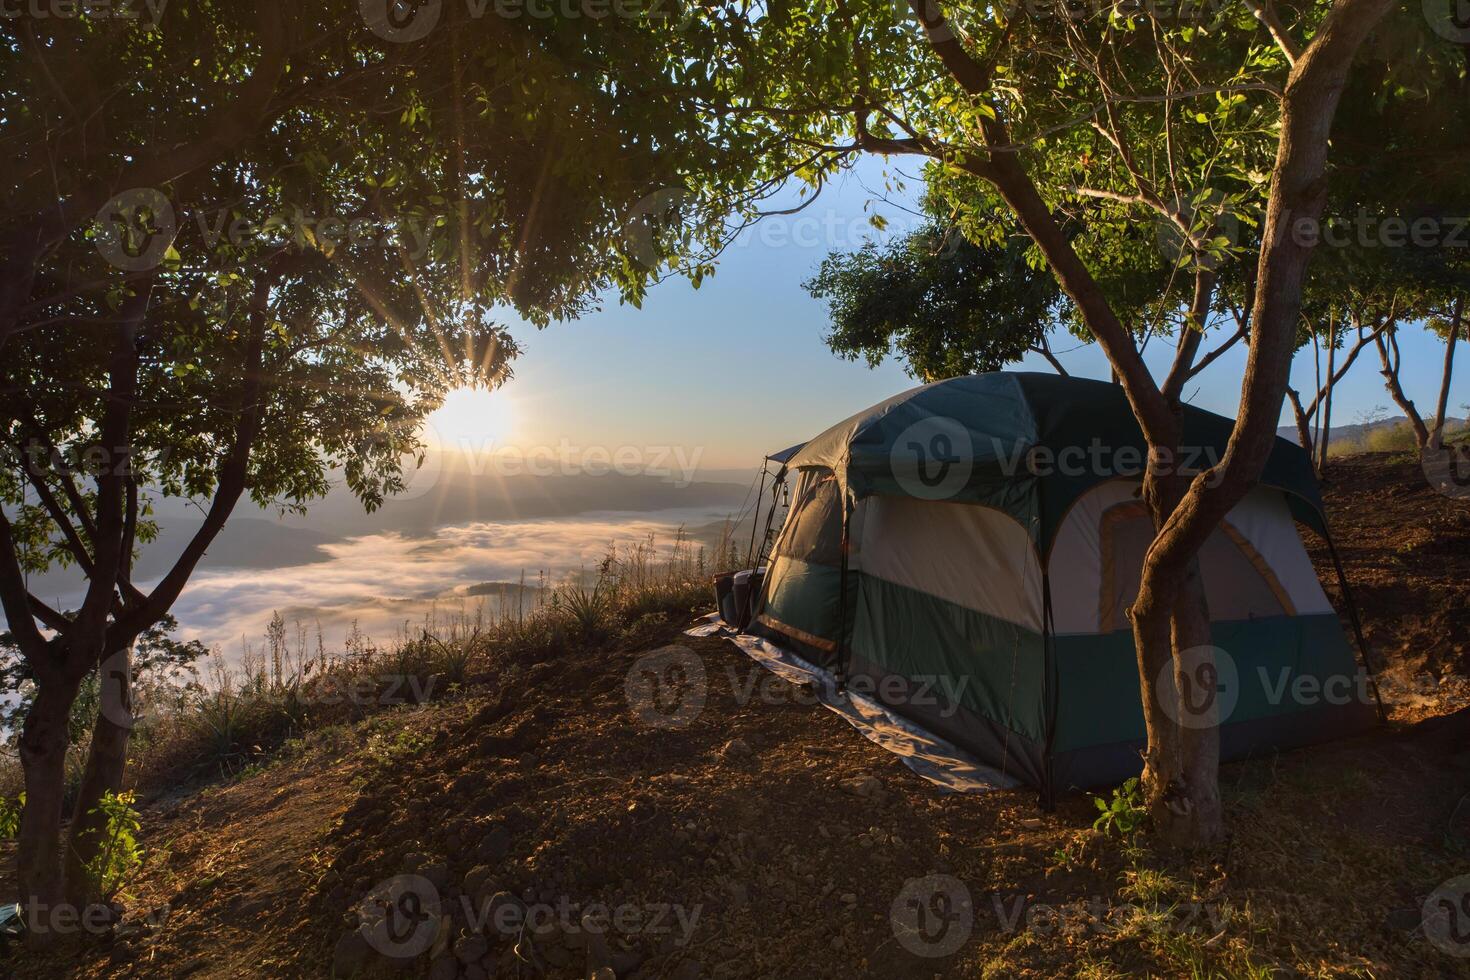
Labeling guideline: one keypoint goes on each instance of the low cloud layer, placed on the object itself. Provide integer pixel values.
(385, 581)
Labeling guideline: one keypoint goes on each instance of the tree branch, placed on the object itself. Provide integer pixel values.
(1298, 191)
(233, 473)
(59, 517)
(1192, 332)
(1266, 14)
(16, 599)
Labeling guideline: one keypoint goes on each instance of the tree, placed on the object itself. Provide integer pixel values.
(1393, 234)
(318, 223)
(1448, 323)
(1195, 126)
(945, 305)
(950, 306)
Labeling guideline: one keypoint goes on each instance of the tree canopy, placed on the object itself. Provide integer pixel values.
(941, 303)
(248, 247)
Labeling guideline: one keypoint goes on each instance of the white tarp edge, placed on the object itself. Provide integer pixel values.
(936, 760)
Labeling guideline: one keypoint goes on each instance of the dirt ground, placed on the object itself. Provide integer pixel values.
(1406, 550)
(764, 837)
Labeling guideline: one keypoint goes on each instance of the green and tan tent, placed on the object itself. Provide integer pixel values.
(965, 554)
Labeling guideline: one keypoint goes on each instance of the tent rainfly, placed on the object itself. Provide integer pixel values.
(965, 553)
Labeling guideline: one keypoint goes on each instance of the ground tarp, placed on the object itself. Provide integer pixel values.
(931, 757)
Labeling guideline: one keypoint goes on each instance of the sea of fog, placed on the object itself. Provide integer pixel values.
(383, 584)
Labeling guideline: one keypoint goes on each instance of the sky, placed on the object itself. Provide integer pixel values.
(738, 367)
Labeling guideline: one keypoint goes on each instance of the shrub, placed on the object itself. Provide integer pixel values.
(10, 811)
(119, 856)
(1124, 813)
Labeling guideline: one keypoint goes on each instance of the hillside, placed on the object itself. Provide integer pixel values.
(768, 839)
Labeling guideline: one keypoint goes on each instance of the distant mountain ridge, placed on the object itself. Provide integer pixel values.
(1356, 430)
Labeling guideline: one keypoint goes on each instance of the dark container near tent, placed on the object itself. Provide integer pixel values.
(725, 596)
(747, 587)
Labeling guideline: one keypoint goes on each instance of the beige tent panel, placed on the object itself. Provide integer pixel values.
(1254, 566)
(973, 556)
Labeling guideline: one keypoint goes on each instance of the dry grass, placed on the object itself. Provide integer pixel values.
(1396, 438)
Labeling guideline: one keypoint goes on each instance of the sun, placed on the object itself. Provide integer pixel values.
(471, 420)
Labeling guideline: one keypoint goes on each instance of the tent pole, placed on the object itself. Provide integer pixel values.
(843, 653)
(1352, 608)
(755, 514)
(757, 601)
(770, 516)
(1048, 791)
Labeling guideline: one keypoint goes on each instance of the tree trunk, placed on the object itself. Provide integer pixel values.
(1326, 436)
(1388, 353)
(1303, 423)
(106, 759)
(43, 744)
(1170, 607)
(1177, 677)
(1436, 438)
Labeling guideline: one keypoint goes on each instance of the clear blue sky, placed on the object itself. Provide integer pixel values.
(738, 368)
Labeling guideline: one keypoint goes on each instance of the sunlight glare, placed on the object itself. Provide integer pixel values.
(471, 420)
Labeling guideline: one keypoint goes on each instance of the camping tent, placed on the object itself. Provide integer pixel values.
(965, 553)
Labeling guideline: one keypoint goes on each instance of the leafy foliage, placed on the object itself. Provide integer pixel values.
(10, 811)
(119, 854)
(941, 303)
(159, 660)
(1124, 813)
